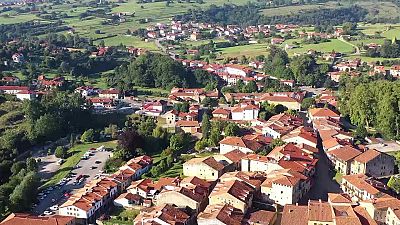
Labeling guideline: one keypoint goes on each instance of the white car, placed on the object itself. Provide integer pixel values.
(54, 207)
(48, 213)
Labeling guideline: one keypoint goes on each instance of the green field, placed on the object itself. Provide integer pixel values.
(250, 50)
(296, 9)
(128, 41)
(333, 44)
(75, 156)
(11, 19)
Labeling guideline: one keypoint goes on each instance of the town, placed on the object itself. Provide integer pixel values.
(196, 125)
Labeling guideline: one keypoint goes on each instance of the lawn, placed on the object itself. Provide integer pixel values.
(122, 216)
(128, 41)
(75, 156)
(332, 45)
(11, 19)
(251, 50)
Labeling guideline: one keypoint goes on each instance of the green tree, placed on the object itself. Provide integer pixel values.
(308, 103)
(31, 164)
(232, 129)
(88, 136)
(206, 126)
(394, 183)
(60, 152)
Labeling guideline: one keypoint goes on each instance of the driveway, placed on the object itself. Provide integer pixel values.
(84, 167)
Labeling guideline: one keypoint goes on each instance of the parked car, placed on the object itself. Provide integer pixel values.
(48, 213)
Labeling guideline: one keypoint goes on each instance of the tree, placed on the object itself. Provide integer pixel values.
(31, 164)
(88, 136)
(17, 167)
(128, 142)
(206, 126)
(394, 183)
(201, 144)
(232, 129)
(60, 152)
(146, 127)
(25, 192)
(111, 130)
(308, 103)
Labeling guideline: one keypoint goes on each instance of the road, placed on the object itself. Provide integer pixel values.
(84, 168)
(358, 52)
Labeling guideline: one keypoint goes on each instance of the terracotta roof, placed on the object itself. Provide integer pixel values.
(364, 216)
(240, 142)
(339, 198)
(29, 219)
(129, 196)
(221, 111)
(359, 181)
(367, 156)
(344, 215)
(238, 189)
(262, 217)
(19, 88)
(226, 214)
(294, 214)
(167, 213)
(235, 155)
(254, 179)
(323, 112)
(319, 211)
(185, 123)
(345, 153)
(209, 161)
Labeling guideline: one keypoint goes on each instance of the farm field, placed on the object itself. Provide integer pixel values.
(332, 45)
(250, 50)
(128, 41)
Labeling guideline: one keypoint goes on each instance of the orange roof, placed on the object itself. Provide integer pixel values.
(344, 153)
(294, 214)
(186, 123)
(367, 156)
(339, 198)
(29, 219)
(359, 181)
(240, 142)
(235, 155)
(221, 111)
(323, 112)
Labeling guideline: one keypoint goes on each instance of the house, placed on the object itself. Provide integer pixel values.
(101, 102)
(29, 219)
(281, 124)
(110, 93)
(206, 168)
(262, 217)
(26, 95)
(55, 82)
(360, 187)
(235, 193)
(183, 197)
(234, 69)
(10, 80)
(373, 163)
(173, 116)
(195, 36)
(258, 163)
(301, 135)
(231, 160)
(191, 127)
(221, 113)
(277, 41)
(18, 57)
(127, 200)
(291, 100)
(163, 214)
(86, 91)
(342, 158)
(221, 214)
(322, 113)
(143, 188)
(155, 108)
(395, 71)
(318, 212)
(191, 94)
(384, 210)
(13, 90)
(245, 112)
(239, 143)
(285, 187)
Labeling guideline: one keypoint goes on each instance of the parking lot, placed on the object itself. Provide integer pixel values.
(86, 170)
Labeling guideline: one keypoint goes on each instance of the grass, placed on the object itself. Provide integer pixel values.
(296, 9)
(122, 216)
(128, 41)
(20, 18)
(250, 50)
(333, 44)
(75, 156)
(338, 177)
(174, 171)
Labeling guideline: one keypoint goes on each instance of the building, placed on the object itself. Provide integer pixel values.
(206, 168)
(301, 135)
(127, 200)
(342, 158)
(360, 187)
(318, 212)
(163, 214)
(280, 125)
(221, 113)
(191, 127)
(29, 219)
(220, 214)
(245, 112)
(183, 197)
(373, 163)
(262, 217)
(258, 163)
(384, 210)
(110, 93)
(235, 193)
(99, 103)
(291, 100)
(229, 144)
(13, 90)
(322, 113)
(285, 187)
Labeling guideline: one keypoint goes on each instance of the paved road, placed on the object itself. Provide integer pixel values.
(323, 181)
(84, 168)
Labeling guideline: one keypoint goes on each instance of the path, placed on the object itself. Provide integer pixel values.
(358, 52)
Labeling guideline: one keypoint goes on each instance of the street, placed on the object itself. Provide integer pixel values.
(88, 168)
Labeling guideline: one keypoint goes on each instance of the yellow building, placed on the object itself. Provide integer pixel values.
(206, 168)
